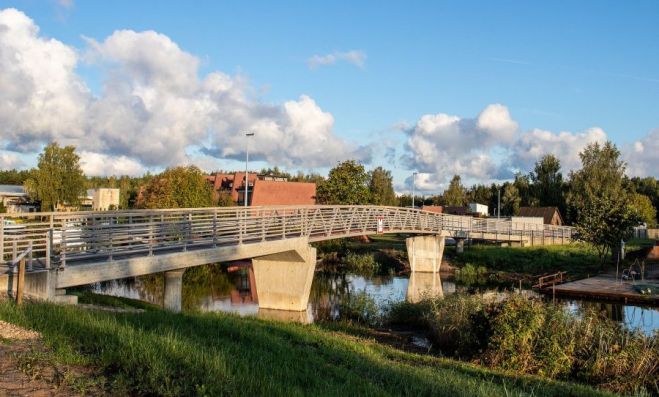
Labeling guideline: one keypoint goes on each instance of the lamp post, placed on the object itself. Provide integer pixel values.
(413, 185)
(247, 135)
(499, 202)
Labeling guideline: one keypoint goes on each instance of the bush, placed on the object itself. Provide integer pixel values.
(360, 307)
(471, 274)
(534, 337)
(364, 264)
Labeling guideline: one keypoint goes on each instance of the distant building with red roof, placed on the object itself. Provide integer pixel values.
(262, 189)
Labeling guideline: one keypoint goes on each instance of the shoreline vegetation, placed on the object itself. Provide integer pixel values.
(156, 352)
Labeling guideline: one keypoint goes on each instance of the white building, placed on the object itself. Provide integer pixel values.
(103, 199)
(15, 199)
(478, 209)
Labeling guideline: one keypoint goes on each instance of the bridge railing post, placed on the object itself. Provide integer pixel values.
(63, 247)
(215, 227)
(49, 247)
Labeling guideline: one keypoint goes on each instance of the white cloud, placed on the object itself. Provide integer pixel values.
(355, 57)
(95, 164)
(65, 3)
(565, 145)
(9, 160)
(154, 108)
(443, 145)
(643, 155)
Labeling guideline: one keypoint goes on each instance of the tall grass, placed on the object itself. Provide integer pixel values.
(158, 353)
(534, 337)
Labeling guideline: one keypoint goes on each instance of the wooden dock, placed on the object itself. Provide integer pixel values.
(604, 287)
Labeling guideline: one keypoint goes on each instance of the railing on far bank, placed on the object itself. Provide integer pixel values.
(77, 236)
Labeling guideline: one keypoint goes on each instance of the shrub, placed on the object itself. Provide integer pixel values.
(360, 307)
(361, 263)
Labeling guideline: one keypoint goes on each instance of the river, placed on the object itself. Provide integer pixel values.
(231, 292)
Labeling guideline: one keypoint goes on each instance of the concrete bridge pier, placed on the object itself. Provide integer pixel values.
(173, 294)
(459, 245)
(283, 280)
(425, 253)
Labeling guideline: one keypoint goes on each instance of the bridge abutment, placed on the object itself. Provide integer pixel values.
(459, 245)
(283, 280)
(425, 253)
(173, 290)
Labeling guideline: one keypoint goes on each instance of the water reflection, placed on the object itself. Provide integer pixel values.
(231, 289)
(423, 285)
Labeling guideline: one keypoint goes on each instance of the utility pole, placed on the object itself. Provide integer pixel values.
(245, 196)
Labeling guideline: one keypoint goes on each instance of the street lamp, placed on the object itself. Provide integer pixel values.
(247, 135)
(499, 202)
(413, 184)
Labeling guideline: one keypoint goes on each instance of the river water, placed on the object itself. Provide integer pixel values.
(226, 291)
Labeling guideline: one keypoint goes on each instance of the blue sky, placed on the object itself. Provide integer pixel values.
(555, 66)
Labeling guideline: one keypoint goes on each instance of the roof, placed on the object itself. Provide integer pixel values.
(12, 190)
(283, 193)
(453, 210)
(547, 213)
(432, 208)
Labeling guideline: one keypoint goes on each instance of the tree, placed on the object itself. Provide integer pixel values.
(510, 200)
(526, 195)
(548, 183)
(381, 187)
(178, 187)
(58, 178)
(479, 194)
(455, 194)
(598, 201)
(347, 183)
(643, 206)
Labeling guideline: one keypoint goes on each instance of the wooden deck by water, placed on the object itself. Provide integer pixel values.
(605, 287)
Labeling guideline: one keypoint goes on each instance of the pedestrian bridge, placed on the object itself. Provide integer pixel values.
(77, 248)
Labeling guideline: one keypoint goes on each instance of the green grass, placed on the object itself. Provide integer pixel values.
(579, 260)
(162, 353)
(87, 297)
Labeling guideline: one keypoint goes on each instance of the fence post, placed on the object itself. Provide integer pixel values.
(49, 247)
(150, 235)
(14, 251)
(63, 247)
(21, 281)
(29, 262)
(214, 227)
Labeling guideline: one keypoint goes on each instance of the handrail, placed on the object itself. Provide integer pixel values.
(89, 235)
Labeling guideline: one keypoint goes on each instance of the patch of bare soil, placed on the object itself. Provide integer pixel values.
(26, 368)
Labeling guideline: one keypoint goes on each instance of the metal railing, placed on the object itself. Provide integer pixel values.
(76, 236)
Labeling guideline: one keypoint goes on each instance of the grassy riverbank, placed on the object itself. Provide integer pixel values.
(162, 353)
(579, 260)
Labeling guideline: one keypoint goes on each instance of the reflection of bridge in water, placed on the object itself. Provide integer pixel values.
(71, 249)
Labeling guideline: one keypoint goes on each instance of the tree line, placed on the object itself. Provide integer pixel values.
(598, 199)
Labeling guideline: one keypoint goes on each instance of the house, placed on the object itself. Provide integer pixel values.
(104, 199)
(262, 189)
(15, 199)
(550, 215)
(453, 210)
(433, 208)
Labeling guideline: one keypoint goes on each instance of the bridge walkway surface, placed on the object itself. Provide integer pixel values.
(78, 248)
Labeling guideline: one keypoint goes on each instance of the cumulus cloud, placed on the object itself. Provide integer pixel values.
(443, 145)
(153, 108)
(643, 155)
(490, 147)
(97, 164)
(10, 160)
(355, 57)
(565, 145)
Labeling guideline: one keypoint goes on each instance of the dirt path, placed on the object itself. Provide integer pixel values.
(27, 370)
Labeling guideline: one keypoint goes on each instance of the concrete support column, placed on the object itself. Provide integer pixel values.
(173, 290)
(459, 245)
(283, 280)
(425, 253)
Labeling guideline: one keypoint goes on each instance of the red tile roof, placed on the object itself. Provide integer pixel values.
(283, 193)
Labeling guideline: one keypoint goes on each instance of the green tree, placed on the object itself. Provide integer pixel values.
(178, 187)
(455, 194)
(598, 201)
(58, 178)
(381, 187)
(548, 182)
(347, 183)
(525, 189)
(510, 200)
(643, 206)
(479, 194)
(13, 177)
